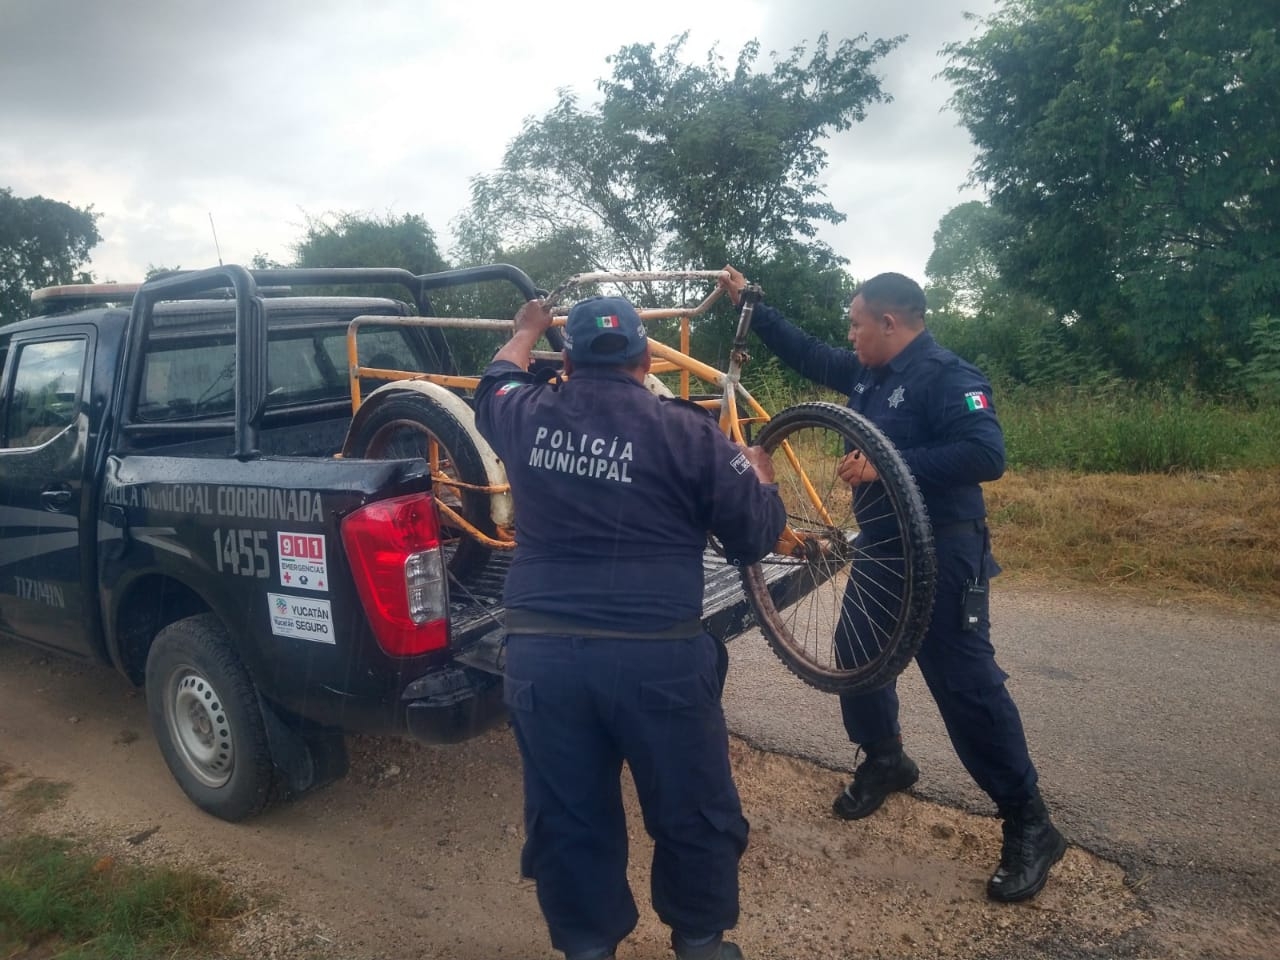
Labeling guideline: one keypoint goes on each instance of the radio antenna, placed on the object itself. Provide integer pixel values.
(215, 238)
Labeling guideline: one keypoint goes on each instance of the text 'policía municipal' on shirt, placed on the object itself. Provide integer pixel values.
(582, 455)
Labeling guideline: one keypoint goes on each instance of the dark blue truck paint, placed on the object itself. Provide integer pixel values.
(122, 512)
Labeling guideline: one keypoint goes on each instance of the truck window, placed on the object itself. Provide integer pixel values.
(45, 396)
(182, 380)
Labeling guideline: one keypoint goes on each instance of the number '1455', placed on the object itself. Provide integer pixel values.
(242, 552)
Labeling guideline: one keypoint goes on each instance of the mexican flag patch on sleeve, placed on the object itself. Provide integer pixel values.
(976, 401)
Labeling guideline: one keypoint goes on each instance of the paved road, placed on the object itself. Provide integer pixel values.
(1156, 732)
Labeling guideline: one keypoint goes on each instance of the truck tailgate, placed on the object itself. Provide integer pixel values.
(476, 607)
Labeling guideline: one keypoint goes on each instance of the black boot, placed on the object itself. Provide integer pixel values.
(873, 781)
(717, 949)
(1032, 844)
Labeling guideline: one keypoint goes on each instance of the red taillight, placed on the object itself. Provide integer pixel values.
(393, 547)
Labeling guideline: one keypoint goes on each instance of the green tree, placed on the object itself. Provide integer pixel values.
(363, 240)
(261, 260)
(350, 239)
(1260, 376)
(1010, 334)
(962, 271)
(1131, 147)
(42, 242)
(680, 165)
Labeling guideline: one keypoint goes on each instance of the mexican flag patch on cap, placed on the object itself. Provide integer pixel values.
(609, 321)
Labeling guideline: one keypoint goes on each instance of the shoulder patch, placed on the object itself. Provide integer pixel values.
(507, 387)
(740, 464)
(976, 400)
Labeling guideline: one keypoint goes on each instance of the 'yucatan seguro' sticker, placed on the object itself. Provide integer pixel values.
(306, 618)
(302, 562)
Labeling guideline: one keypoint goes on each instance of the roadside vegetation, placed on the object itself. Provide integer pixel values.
(60, 900)
(57, 902)
(1184, 538)
(1154, 495)
(1163, 496)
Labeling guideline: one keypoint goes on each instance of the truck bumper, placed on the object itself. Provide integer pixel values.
(453, 704)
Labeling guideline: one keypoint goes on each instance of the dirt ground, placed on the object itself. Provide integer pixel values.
(415, 854)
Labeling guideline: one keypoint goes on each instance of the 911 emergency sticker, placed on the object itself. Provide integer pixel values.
(302, 561)
(306, 618)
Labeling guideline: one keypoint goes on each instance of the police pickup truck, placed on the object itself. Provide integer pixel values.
(174, 504)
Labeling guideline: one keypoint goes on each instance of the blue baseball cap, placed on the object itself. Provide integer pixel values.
(604, 330)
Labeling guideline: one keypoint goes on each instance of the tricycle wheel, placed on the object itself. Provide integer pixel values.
(407, 425)
(847, 607)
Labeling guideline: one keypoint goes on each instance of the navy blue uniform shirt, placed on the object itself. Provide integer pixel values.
(936, 408)
(615, 491)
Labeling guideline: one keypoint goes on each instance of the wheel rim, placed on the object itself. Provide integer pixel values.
(805, 469)
(842, 613)
(199, 727)
(408, 439)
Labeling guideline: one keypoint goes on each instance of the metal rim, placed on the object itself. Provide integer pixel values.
(199, 727)
(896, 605)
(404, 438)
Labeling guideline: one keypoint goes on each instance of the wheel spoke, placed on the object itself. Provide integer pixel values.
(417, 427)
(849, 612)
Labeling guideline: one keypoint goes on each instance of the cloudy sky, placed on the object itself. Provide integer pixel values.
(263, 113)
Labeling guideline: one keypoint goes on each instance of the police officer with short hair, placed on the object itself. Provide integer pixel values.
(615, 491)
(937, 410)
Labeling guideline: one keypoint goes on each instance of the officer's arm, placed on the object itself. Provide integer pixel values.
(970, 444)
(810, 357)
(830, 366)
(745, 515)
(531, 322)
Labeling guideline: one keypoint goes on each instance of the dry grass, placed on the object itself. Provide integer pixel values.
(1196, 537)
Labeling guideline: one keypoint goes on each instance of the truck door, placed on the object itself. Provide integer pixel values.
(44, 429)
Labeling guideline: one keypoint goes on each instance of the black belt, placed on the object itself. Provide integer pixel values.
(960, 528)
(519, 620)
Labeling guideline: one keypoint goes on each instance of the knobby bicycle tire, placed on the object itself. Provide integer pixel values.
(848, 613)
(405, 425)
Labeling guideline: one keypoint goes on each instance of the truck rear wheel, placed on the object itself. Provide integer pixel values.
(205, 715)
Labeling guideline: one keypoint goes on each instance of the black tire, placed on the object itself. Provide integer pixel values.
(848, 615)
(205, 714)
(404, 425)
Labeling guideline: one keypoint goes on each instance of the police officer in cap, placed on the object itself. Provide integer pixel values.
(937, 410)
(615, 491)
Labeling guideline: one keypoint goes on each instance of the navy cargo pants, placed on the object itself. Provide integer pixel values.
(580, 708)
(960, 669)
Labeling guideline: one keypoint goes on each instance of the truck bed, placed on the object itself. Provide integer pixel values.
(476, 607)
